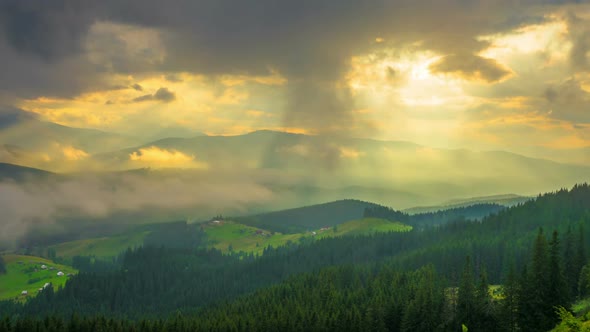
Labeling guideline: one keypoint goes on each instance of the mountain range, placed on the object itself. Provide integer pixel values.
(303, 169)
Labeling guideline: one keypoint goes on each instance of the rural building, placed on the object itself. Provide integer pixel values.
(24, 293)
(60, 274)
(43, 267)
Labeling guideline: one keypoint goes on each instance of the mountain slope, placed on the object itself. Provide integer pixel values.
(309, 217)
(36, 135)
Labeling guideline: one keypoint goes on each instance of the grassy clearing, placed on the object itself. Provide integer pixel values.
(104, 247)
(240, 237)
(365, 226)
(24, 273)
(225, 234)
(245, 238)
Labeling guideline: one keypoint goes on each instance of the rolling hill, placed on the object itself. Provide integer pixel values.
(307, 218)
(232, 236)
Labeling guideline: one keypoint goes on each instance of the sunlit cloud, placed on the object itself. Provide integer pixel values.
(162, 158)
(73, 154)
(548, 40)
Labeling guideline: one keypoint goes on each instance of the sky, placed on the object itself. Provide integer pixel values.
(477, 74)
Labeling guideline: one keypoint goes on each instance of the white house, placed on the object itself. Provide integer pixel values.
(60, 274)
(24, 292)
(43, 267)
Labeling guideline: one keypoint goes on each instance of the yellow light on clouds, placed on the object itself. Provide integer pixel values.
(549, 38)
(162, 158)
(73, 154)
(405, 79)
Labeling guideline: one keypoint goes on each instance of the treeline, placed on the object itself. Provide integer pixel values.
(156, 282)
(175, 235)
(384, 212)
(438, 218)
(472, 212)
(2, 266)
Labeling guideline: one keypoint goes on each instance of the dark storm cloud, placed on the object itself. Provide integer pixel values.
(137, 87)
(579, 30)
(567, 101)
(163, 95)
(48, 29)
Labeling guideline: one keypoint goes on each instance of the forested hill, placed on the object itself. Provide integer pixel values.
(437, 218)
(333, 213)
(159, 282)
(309, 217)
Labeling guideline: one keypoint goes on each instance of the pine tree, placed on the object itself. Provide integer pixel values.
(581, 259)
(484, 311)
(569, 260)
(584, 282)
(535, 312)
(557, 288)
(509, 305)
(466, 306)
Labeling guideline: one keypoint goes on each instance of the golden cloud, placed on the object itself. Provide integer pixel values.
(73, 154)
(162, 158)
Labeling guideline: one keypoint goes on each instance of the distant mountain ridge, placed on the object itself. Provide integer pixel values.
(18, 173)
(504, 200)
(333, 162)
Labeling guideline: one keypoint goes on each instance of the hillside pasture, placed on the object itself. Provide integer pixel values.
(25, 273)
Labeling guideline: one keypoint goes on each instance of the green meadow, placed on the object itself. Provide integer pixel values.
(24, 273)
(366, 226)
(103, 247)
(227, 235)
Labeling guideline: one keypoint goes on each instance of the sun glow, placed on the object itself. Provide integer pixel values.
(405, 79)
(549, 40)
